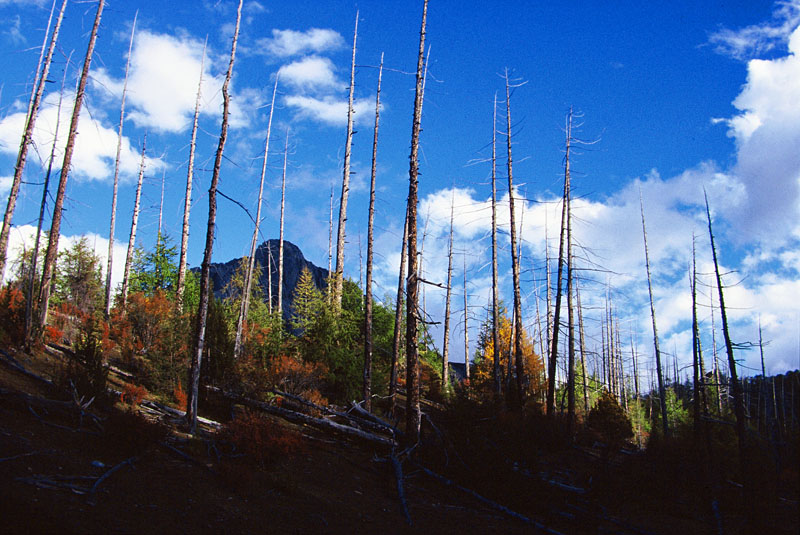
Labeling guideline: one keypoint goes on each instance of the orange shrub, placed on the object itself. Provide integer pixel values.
(133, 394)
(180, 396)
(260, 438)
(12, 316)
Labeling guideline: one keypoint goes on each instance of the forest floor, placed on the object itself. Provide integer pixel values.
(61, 475)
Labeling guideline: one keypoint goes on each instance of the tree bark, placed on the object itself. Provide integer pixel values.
(412, 282)
(466, 324)
(205, 283)
(55, 228)
(340, 236)
(110, 261)
(398, 315)
(368, 283)
(495, 312)
(27, 137)
(134, 224)
(448, 293)
(661, 390)
(187, 202)
(570, 315)
(280, 238)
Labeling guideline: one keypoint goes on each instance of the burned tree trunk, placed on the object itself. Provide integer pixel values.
(448, 293)
(55, 228)
(368, 283)
(412, 282)
(495, 313)
(280, 238)
(27, 137)
(466, 324)
(110, 262)
(187, 202)
(205, 282)
(134, 223)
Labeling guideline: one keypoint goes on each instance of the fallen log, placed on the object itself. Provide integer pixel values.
(382, 424)
(298, 417)
(398, 476)
(102, 478)
(16, 365)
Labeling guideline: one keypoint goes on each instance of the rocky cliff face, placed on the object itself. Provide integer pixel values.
(267, 256)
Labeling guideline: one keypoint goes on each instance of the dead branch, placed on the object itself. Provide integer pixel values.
(102, 478)
(10, 361)
(382, 424)
(398, 475)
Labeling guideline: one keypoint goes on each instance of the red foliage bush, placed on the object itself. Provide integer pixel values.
(180, 396)
(133, 394)
(12, 316)
(260, 438)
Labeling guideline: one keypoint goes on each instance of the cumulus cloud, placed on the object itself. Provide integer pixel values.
(5, 184)
(310, 73)
(327, 109)
(13, 31)
(287, 43)
(758, 39)
(95, 146)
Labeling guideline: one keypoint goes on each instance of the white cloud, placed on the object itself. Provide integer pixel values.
(95, 146)
(310, 73)
(286, 43)
(327, 109)
(758, 39)
(13, 31)
(5, 184)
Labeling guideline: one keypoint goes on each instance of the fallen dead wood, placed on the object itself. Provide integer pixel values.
(20, 455)
(298, 417)
(489, 502)
(102, 478)
(382, 424)
(398, 476)
(13, 363)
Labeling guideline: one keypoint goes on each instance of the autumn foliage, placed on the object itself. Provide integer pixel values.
(12, 316)
(260, 438)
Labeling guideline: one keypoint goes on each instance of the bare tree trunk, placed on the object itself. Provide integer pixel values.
(717, 379)
(55, 228)
(134, 223)
(635, 367)
(695, 347)
(370, 223)
(329, 288)
(45, 191)
(662, 393)
(448, 292)
(583, 350)
(412, 282)
(161, 207)
(520, 368)
(466, 323)
(398, 316)
(205, 282)
(244, 306)
(110, 261)
(549, 303)
(187, 202)
(33, 110)
(551, 375)
(280, 239)
(570, 315)
(495, 312)
(736, 387)
(340, 237)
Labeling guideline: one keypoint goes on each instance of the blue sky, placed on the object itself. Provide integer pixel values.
(677, 98)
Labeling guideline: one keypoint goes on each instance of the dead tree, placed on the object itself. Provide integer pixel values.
(134, 224)
(736, 387)
(161, 206)
(662, 393)
(368, 283)
(495, 312)
(519, 365)
(570, 314)
(448, 293)
(466, 323)
(29, 299)
(205, 282)
(398, 315)
(115, 189)
(37, 91)
(280, 238)
(583, 349)
(48, 268)
(412, 281)
(244, 306)
(697, 375)
(340, 237)
(187, 200)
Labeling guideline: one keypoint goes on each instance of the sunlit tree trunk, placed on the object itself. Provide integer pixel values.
(495, 304)
(570, 313)
(448, 293)
(280, 238)
(110, 261)
(370, 237)
(398, 315)
(48, 268)
(466, 323)
(412, 282)
(35, 100)
(134, 225)
(340, 237)
(187, 200)
(205, 282)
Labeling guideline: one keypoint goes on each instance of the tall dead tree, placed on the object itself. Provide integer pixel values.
(340, 237)
(49, 266)
(412, 282)
(736, 387)
(697, 375)
(115, 189)
(583, 349)
(551, 368)
(187, 199)
(570, 314)
(35, 100)
(495, 304)
(448, 293)
(466, 323)
(280, 238)
(398, 315)
(134, 225)
(29, 300)
(519, 365)
(662, 393)
(370, 223)
(205, 282)
(244, 306)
